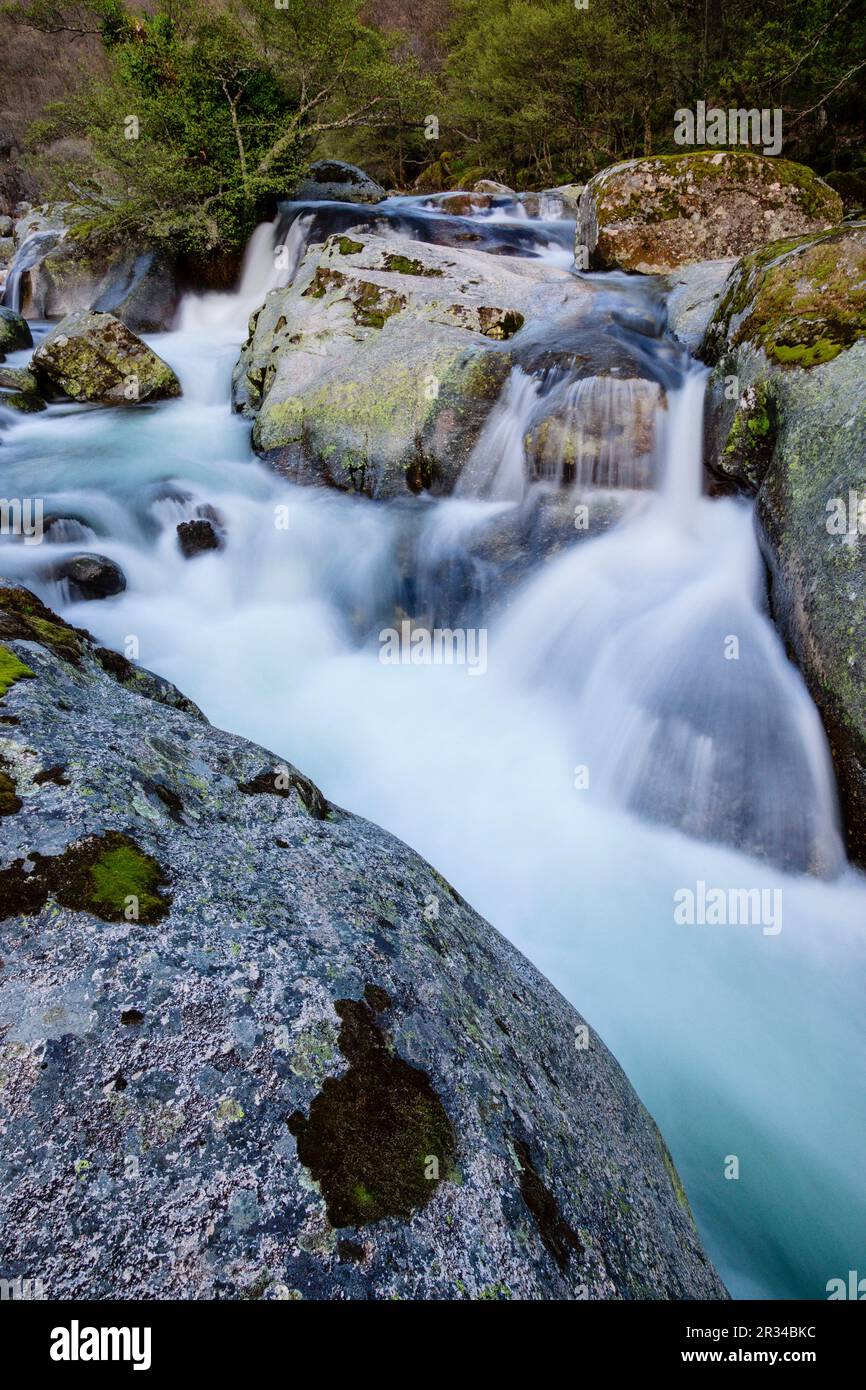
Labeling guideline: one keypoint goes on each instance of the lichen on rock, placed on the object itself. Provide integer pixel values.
(655, 214)
(94, 357)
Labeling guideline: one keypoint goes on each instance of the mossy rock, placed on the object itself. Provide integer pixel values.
(361, 1103)
(801, 300)
(105, 875)
(14, 332)
(653, 215)
(94, 357)
(24, 404)
(18, 379)
(747, 450)
(12, 669)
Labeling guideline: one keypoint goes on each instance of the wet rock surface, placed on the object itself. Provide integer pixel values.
(375, 370)
(790, 333)
(90, 576)
(252, 1046)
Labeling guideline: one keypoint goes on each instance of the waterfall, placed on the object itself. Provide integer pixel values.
(496, 468)
(29, 254)
(266, 266)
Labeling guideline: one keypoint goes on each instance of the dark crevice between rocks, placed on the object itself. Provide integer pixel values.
(558, 1236)
(372, 1134)
(98, 875)
(281, 782)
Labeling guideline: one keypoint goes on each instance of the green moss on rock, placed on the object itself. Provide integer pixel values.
(405, 265)
(22, 402)
(751, 439)
(378, 1139)
(654, 214)
(106, 875)
(14, 331)
(24, 616)
(10, 802)
(11, 670)
(802, 300)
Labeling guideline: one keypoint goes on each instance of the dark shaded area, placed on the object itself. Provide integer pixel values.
(372, 1133)
(276, 782)
(559, 1238)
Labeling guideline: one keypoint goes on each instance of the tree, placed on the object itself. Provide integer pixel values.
(208, 115)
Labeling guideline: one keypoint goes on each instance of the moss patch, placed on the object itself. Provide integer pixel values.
(10, 802)
(404, 265)
(371, 1133)
(348, 247)
(97, 875)
(803, 300)
(24, 616)
(21, 401)
(323, 281)
(751, 439)
(12, 670)
(558, 1236)
(374, 304)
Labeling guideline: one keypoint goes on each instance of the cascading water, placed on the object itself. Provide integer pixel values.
(639, 731)
(29, 253)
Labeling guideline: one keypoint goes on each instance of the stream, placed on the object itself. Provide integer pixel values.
(614, 755)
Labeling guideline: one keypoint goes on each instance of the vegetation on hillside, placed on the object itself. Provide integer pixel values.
(231, 98)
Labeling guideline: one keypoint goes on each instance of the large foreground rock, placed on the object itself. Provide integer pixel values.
(377, 369)
(252, 1046)
(789, 337)
(652, 215)
(94, 357)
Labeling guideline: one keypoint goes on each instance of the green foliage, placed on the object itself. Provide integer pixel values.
(233, 97)
(539, 91)
(208, 116)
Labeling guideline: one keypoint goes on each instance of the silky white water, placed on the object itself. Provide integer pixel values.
(743, 1041)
